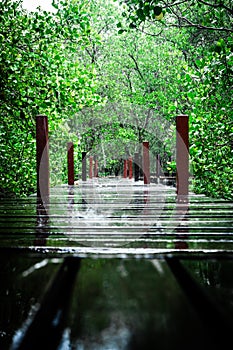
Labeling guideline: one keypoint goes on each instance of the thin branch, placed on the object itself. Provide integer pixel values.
(221, 5)
(137, 67)
(199, 26)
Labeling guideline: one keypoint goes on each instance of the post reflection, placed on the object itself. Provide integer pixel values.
(182, 217)
(70, 198)
(42, 222)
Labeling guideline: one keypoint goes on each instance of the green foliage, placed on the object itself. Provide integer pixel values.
(107, 92)
(203, 15)
(201, 84)
(40, 74)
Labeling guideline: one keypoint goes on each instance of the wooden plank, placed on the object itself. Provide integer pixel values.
(115, 213)
(141, 304)
(216, 318)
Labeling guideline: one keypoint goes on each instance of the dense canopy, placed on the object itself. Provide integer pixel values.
(111, 73)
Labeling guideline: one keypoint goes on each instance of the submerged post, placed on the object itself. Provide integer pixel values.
(182, 155)
(146, 162)
(70, 161)
(42, 156)
(84, 166)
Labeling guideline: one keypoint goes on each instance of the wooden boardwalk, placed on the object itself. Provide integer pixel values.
(118, 216)
(130, 267)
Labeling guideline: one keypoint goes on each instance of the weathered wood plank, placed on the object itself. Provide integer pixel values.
(116, 213)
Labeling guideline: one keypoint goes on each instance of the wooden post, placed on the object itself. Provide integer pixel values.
(136, 167)
(182, 155)
(70, 161)
(42, 157)
(125, 168)
(130, 162)
(90, 167)
(95, 166)
(146, 162)
(84, 166)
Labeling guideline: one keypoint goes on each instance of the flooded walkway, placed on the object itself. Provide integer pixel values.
(118, 216)
(112, 264)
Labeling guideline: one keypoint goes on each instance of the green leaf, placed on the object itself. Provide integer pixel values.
(141, 14)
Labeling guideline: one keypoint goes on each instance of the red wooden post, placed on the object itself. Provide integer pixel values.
(182, 155)
(84, 166)
(91, 167)
(42, 157)
(95, 167)
(70, 161)
(130, 161)
(146, 162)
(125, 168)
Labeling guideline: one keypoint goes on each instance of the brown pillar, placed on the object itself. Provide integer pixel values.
(70, 161)
(146, 162)
(42, 156)
(130, 162)
(90, 167)
(182, 155)
(84, 166)
(95, 167)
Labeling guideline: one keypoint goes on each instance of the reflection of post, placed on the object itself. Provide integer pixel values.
(146, 162)
(71, 199)
(95, 166)
(182, 154)
(146, 197)
(70, 160)
(42, 156)
(84, 166)
(125, 168)
(146, 205)
(90, 167)
(130, 168)
(42, 223)
(136, 166)
(182, 216)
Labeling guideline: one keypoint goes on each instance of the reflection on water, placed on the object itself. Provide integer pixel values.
(182, 217)
(42, 222)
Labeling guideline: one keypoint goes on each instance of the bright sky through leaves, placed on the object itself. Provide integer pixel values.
(31, 5)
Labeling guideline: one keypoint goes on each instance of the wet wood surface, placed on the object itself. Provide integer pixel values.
(118, 216)
(114, 264)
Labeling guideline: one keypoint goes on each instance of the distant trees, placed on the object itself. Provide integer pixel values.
(40, 74)
(124, 69)
(203, 34)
